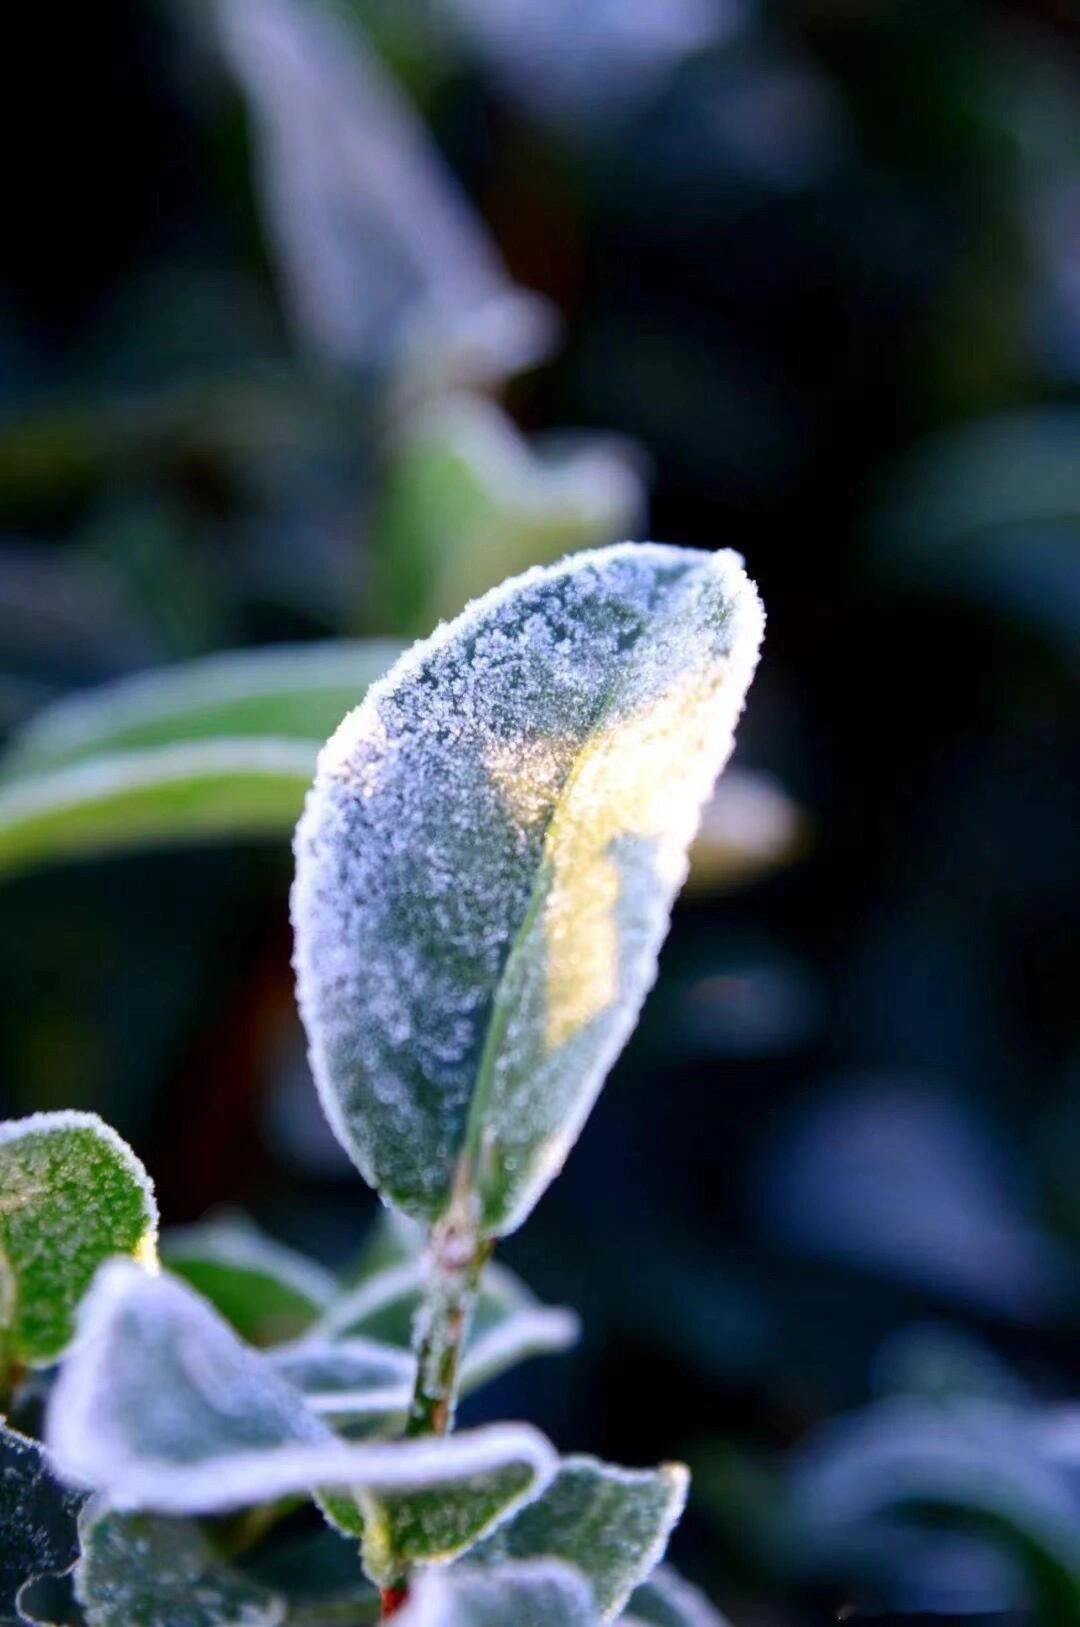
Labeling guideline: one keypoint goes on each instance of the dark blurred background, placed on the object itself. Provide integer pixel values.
(817, 270)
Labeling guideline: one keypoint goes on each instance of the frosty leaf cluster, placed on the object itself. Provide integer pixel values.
(211, 1428)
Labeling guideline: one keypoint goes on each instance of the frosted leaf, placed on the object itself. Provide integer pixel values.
(138, 1570)
(468, 500)
(266, 1291)
(384, 265)
(862, 1490)
(667, 1600)
(543, 1593)
(612, 1524)
(38, 1533)
(159, 1406)
(622, 53)
(295, 691)
(72, 1193)
(354, 1378)
(196, 791)
(487, 861)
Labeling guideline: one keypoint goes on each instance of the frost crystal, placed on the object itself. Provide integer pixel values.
(487, 861)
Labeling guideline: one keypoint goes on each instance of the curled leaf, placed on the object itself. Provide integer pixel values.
(72, 1193)
(160, 1407)
(487, 862)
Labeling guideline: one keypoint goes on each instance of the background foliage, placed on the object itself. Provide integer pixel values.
(817, 269)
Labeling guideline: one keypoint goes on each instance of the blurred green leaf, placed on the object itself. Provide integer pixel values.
(203, 792)
(71, 1194)
(468, 501)
(267, 1292)
(574, 721)
(612, 1524)
(287, 692)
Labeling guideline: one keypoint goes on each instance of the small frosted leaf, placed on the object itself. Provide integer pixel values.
(542, 1593)
(38, 1531)
(612, 1523)
(295, 691)
(72, 1193)
(487, 862)
(352, 1379)
(138, 1570)
(435, 1524)
(159, 1406)
(667, 1600)
(267, 1292)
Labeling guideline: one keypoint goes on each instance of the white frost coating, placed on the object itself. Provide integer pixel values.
(66, 1119)
(159, 1406)
(486, 864)
(82, 723)
(535, 1332)
(534, 1593)
(235, 1241)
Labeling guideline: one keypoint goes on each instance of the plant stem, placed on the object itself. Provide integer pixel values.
(457, 1258)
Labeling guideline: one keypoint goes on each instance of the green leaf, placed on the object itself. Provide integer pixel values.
(201, 792)
(318, 1575)
(38, 1531)
(433, 1524)
(468, 501)
(542, 1593)
(291, 691)
(612, 1523)
(487, 862)
(219, 748)
(159, 1406)
(138, 1570)
(667, 1600)
(72, 1193)
(267, 1292)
